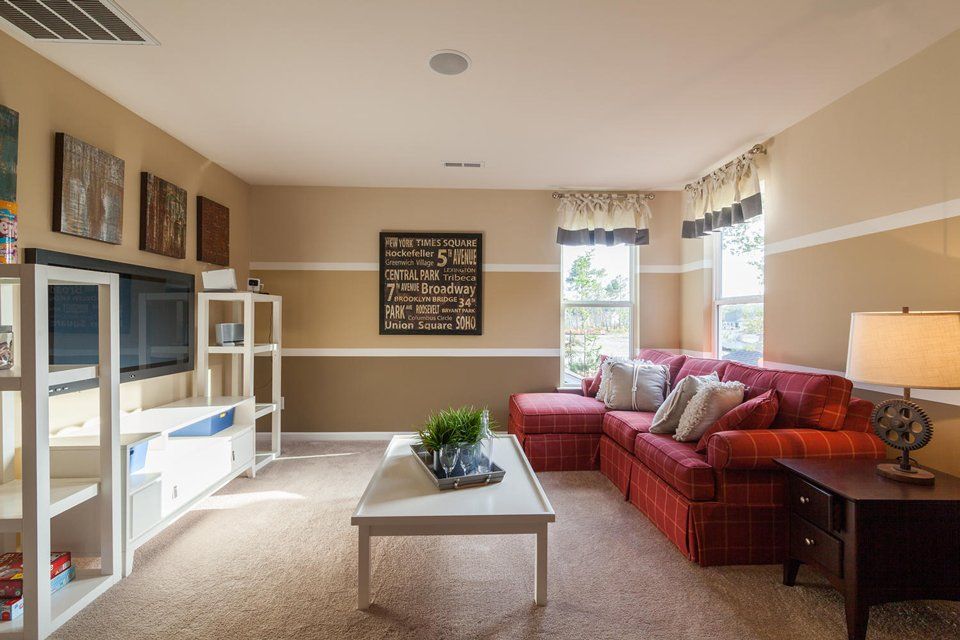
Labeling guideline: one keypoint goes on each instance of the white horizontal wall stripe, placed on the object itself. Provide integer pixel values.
(373, 266)
(933, 395)
(920, 215)
(501, 267)
(316, 436)
(545, 268)
(422, 353)
(314, 266)
(675, 268)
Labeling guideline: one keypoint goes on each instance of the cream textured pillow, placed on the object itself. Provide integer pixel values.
(712, 401)
(668, 415)
(605, 376)
(637, 386)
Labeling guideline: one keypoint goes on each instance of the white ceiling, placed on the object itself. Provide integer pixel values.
(561, 93)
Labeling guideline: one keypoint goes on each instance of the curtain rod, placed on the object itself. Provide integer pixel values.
(566, 194)
(755, 150)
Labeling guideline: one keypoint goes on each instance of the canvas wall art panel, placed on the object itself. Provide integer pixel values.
(163, 217)
(87, 191)
(213, 232)
(9, 140)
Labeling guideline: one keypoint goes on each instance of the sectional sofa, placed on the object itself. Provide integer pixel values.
(725, 506)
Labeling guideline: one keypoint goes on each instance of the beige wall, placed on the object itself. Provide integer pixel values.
(334, 305)
(890, 146)
(50, 100)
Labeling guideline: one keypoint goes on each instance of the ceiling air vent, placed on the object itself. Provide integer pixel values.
(93, 21)
(463, 165)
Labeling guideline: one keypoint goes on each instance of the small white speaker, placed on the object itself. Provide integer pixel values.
(220, 280)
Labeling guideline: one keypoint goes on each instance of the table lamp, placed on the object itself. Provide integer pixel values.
(912, 351)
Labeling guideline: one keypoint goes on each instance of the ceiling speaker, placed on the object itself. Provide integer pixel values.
(449, 62)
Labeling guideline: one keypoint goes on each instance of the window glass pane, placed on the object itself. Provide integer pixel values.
(596, 273)
(589, 332)
(741, 256)
(741, 332)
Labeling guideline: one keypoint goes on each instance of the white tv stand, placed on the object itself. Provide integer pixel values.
(179, 471)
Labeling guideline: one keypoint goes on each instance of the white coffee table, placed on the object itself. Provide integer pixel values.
(402, 501)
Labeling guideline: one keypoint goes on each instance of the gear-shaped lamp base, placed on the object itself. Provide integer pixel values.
(903, 425)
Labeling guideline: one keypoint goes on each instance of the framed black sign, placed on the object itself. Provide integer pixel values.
(431, 283)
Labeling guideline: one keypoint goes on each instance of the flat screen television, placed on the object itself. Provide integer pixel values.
(156, 319)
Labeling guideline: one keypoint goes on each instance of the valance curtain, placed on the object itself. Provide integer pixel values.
(603, 218)
(728, 196)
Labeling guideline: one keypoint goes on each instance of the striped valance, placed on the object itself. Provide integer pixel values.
(728, 196)
(591, 218)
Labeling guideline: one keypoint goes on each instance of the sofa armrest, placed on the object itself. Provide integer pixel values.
(585, 384)
(756, 449)
(858, 416)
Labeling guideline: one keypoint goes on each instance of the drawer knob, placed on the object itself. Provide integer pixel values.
(809, 542)
(804, 500)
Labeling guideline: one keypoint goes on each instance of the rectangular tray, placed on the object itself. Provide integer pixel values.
(456, 480)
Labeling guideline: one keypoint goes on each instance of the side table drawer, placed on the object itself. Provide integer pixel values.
(811, 502)
(812, 544)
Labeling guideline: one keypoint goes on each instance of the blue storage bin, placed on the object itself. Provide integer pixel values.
(207, 426)
(138, 456)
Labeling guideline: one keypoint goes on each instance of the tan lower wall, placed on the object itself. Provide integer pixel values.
(396, 394)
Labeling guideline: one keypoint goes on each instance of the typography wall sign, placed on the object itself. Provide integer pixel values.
(431, 283)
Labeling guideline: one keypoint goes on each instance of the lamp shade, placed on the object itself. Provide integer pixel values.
(912, 350)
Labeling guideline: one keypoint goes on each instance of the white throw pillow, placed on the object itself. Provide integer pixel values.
(712, 401)
(637, 386)
(668, 415)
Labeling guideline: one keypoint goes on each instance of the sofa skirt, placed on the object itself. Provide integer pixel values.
(558, 451)
(708, 533)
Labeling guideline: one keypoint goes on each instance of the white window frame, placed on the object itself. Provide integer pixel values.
(631, 304)
(719, 301)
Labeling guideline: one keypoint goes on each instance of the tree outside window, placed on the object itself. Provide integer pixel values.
(597, 308)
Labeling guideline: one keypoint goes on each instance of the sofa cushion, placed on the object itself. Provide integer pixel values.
(701, 367)
(677, 464)
(556, 413)
(756, 413)
(813, 400)
(623, 426)
(672, 360)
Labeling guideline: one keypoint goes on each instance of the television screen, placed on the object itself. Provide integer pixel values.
(156, 318)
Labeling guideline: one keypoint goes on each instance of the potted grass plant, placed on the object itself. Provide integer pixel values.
(456, 436)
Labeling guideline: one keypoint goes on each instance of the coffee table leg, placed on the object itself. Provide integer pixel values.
(540, 596)
(363, 568)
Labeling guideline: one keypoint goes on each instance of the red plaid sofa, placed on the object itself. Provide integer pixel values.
(721, 507)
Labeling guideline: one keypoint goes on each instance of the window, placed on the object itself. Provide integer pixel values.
(597, 307)
(738, 292)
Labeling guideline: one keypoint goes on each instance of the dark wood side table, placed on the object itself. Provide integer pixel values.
(875, 540)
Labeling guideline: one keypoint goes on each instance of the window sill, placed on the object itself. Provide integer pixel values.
(570, 389)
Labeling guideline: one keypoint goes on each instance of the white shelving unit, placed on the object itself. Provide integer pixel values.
(242, 383)
(28, 504)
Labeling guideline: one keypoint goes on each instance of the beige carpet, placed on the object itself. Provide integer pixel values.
(276, 558)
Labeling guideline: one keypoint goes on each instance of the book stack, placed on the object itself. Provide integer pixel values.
(62, 572)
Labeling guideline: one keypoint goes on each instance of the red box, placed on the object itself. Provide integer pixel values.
(11, 571)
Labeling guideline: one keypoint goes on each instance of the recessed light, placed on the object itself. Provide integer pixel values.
(449, 62)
